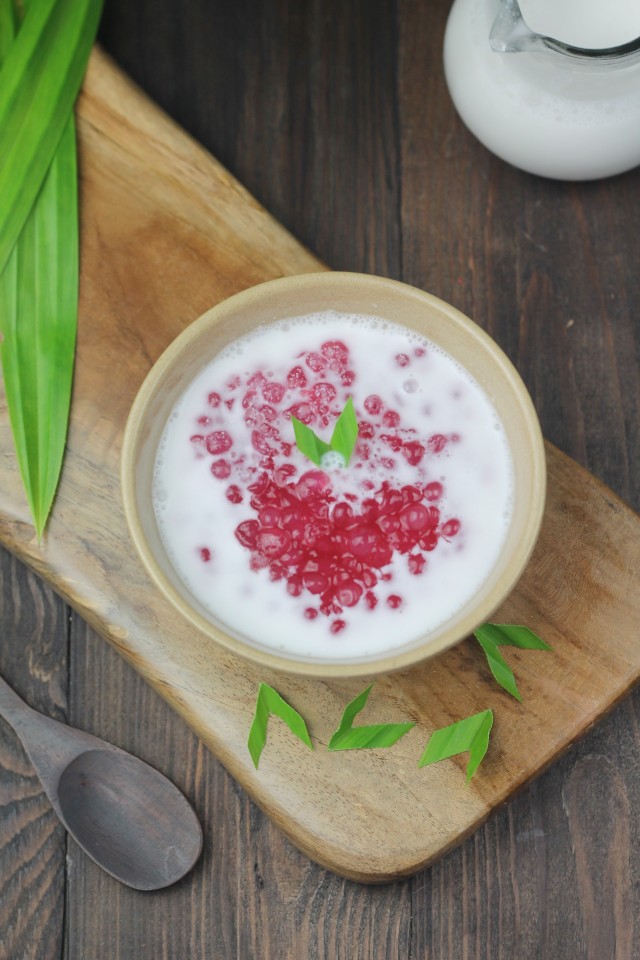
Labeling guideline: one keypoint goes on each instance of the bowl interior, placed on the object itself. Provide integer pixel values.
(348, 293)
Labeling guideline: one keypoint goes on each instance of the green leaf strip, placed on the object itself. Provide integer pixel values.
(308, 442)
(490, 636)
(270, 702)
(345, 432)
(348, 737)
(470, 734)
(39, 82)
(343, 438)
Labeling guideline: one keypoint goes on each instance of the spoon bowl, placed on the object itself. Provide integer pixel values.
(129, 818)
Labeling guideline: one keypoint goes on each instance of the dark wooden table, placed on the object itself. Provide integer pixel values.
(336, 117)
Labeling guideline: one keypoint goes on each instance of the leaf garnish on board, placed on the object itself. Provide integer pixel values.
(490, 636)
(270, 702)
(348, 737)
(470, 734)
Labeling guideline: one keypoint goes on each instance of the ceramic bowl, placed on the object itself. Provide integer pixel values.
(348, 293)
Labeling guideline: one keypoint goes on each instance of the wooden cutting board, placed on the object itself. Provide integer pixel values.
(166, 234)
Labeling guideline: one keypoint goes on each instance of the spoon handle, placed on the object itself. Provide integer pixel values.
(12, 707)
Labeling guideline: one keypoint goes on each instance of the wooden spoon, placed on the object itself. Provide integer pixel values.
(124, 814)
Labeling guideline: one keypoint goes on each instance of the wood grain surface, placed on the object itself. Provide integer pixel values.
(380, 176)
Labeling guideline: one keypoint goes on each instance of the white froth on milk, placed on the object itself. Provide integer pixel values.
(432, 395)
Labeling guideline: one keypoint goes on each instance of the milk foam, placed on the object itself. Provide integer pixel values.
(432, 395)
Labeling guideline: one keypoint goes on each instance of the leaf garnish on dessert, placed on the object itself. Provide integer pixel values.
(348, 737)
(470, 734)
(270, 702)
(490, 636)
(343, 438)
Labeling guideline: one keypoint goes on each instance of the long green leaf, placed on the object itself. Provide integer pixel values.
(39, 82)
(270, 702)
(38, 311)
(470, 734)
(39, 283)
(348, 737)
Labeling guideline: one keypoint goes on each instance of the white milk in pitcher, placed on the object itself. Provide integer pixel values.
(543, 111)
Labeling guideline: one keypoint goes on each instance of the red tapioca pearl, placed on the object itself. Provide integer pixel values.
(391, 418)
(302, 411)
(229, 403)
(437, 442)
(250, 399)
(267, 413)
(419, 352)
(392, 501)
(234, 494)
(273, 542)
(413, 452)
(365, 430)
(221, 469)
(315, 362)
(369, 578)
(310, 613)
(450, 528)
(326, 546)
(429, 541)
(199, 443)
(368, 544)
(233, 382)
(371, 600)
(260, 484)
(259, 442)
(417, 563)
(402, 360)
(218, 442)
(214, 399)
(256, 380)
(433, 490)
(415, 516)
(373, 404)
(366, 485)
(315, 531)
(296, 378)
(246, 533)
(348, 378)
(348, 593)
(270, 517)
(205, 554)
(273, 392)
(411, 494)
(258, 561)
(337, 626)
(284, 472)
(315, 582)
(204, 421)
(342, 514)
(369, 510)
(392, 441)
(336, 353)
(276, 571)
(394, 601)
(402, 540)
(388, 463)
(312, 485)
(323, 393)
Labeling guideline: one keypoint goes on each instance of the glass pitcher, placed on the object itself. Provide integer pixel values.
(562, 108)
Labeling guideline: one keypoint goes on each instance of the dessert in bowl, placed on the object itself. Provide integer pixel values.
(363, 560)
